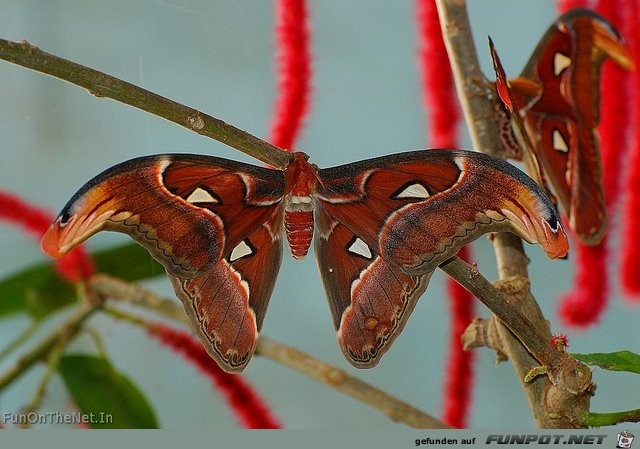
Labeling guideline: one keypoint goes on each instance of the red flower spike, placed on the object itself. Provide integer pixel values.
(75, 266)
(630, 248)
(444, 116)
(614, 107)
(294, 72)
(29, 218)
(560, 341)
(565, 5)
(584, 305)
(245, 403)
(438, 86)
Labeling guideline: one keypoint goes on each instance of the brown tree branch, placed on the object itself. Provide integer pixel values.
(399, 411)
(103, 85)
(501, 303)
(562, 398)
(340, 380)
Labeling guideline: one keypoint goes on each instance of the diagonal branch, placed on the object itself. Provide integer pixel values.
(103, 85)
(350, 385)
(399, 411)
(502, 306)
(67, 331)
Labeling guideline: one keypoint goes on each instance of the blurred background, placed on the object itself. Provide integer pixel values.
(218, 56)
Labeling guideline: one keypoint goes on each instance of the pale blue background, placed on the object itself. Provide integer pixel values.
(218, 56)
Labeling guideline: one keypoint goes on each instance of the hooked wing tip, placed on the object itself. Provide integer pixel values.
(556, 243)
(558, 247)
(50, 242)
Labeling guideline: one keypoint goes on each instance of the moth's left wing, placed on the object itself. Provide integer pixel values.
(214, 224)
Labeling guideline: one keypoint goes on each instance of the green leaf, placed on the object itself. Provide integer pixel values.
(105, 397)
(129, 262)
(39, 290)
(613, 361)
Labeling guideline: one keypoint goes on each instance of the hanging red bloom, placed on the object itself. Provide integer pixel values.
(630, 247)
(245, 403)
(440, 99)
(294, 72)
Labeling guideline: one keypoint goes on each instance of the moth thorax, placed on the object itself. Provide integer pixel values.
(298, 225)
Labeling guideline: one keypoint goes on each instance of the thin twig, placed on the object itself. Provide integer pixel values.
(66, 331)
(53, 358)
(103, 85)
(113, 288)
(342, 381)
(101, 348)
(20, 339)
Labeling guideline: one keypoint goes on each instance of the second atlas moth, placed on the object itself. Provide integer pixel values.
(550, 114)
